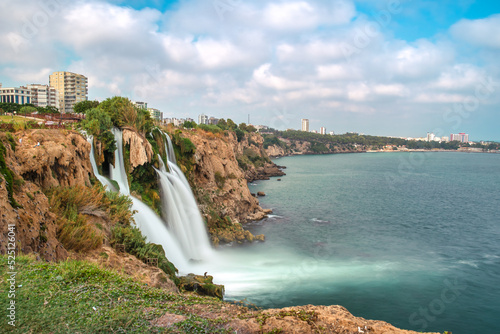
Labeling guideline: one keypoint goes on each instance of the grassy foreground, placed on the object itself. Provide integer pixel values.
(80, 297)
(16, 119)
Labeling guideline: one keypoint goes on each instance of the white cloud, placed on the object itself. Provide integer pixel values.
(390, 90)
(290, 16)
(482, 32)
(263, 77)
(337, 72)
(460, 76)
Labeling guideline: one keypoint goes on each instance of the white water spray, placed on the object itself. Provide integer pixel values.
(151, 226)
(181, 210)
(170, 149)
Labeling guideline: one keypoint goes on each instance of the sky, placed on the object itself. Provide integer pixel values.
(392, 68)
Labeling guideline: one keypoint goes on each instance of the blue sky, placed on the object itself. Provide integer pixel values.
(398, 68)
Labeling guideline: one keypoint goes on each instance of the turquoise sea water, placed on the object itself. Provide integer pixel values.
(409, 238)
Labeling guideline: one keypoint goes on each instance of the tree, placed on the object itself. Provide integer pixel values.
(83, 106)
(222, 124)
(123, 113)
(239, 134)
(243, 127)
(231, 125)
(251, 128)
(47, 110)
(98, 124)
(28, 110)
(189, 124)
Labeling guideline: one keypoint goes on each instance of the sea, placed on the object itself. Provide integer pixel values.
(410, 238)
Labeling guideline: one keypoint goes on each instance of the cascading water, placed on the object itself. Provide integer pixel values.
(145, 218)
(181, 211)
(117, 172)
(170, 149)
(104, 180)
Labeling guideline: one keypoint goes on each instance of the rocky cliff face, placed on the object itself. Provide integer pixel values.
(39, 160)
(276, 151)
(51, 158)
(220, 186)
(301, 147)
(140, 149)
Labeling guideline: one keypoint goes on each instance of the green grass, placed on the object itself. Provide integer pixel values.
(16, 119)
(80, 297)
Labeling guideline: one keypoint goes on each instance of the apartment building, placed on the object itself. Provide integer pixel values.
(305, 125)
(72, 88)
(155, 114)
(44, 95)
(20, 95)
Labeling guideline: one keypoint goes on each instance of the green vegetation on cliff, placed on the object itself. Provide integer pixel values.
(74, 206)
(88, 216)
(9, 176)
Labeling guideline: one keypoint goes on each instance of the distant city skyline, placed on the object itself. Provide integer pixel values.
(382, 68)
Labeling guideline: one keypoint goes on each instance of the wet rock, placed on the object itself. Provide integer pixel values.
(202, 284)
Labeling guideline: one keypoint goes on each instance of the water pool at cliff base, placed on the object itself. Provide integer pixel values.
(408, 238)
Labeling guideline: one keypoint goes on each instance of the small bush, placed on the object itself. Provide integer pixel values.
(135, 244)
(220, 180)
(74, 204)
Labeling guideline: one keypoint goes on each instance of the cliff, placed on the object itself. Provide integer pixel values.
(38, 160)
(221, 188)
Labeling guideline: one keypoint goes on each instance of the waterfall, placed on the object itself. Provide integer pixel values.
(104, 180)
(181, 210)
(150, 224)
(170, 149)
(117, 172)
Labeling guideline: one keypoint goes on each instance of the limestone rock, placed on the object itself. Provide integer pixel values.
(52, 158)
(140, 149)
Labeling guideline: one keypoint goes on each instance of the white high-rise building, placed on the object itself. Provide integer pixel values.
(322, 130)
(305, 125)
(44, 95)
(202, 119)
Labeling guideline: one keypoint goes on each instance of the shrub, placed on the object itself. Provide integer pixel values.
(239, 134)
(74, 204)
(135, 244)
(220, 180)
(9, 176)
(210, 128)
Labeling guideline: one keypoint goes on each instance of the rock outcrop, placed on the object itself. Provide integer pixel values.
(51, 158)
(306, 319)
(203, 285)
(276, 151)
(140, 149)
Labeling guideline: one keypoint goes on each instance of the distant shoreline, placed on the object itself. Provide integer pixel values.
(470, 150)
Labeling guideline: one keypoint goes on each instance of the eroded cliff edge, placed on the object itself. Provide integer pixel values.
(223, 166)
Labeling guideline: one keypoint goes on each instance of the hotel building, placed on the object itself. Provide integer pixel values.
(72, 88)
(305, 125)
